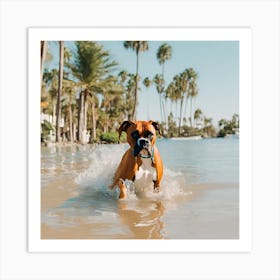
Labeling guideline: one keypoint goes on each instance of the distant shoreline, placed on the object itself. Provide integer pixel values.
(184, 138)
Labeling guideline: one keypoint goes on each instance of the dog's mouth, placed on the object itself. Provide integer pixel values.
(145, 152)
(142, 147)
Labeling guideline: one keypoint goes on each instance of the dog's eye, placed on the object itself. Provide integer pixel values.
(148, 134)
(135, 134)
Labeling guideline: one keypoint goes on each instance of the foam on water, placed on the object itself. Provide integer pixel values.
(99, 176)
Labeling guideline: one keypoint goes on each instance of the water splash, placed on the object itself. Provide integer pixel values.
(97, 209)
(99, 176)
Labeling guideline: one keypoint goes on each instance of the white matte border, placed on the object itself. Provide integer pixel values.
(243, 36)
(262, 262)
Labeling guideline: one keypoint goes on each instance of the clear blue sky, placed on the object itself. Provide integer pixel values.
(217, 64)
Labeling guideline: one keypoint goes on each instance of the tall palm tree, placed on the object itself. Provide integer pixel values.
(92, 63)
(159, 82)
(171, 94)
(137, 46)
(147, 83)
(180, 89)
(69, 90)
(130, 91)
(59, 92)
(43, 46)
(193, 92)
(164, 53)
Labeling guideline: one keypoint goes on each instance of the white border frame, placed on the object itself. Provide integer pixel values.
(243, 35)
(262, 262)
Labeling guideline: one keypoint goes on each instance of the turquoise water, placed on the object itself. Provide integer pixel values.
(203, 161)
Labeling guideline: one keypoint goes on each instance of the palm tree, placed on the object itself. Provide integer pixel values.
(235, 121)
(159, 82)
(207, 122)
(69, 105)
(193, 92)
(111, 91)
(191, 88)
(197, 115)
(180, 89)
(69, 89)
(59, 92)
(123, 75)
(138, 46)
(130, 91)
(164, 53)
(147, 83)
(50, 82)
(208, 129)
(43, 54)
(171, 94)
(92, 63)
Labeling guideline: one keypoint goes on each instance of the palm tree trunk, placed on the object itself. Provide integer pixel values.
(43, 54)
(163, 110)
(93, 135)
(160, 105)
(136, 87)
(70, 123)
(180, 120)
(53, 111)
(164, 102)
(81, 115)
(74, 132)
(84, 131)
(186, 107)
(191, 112)
(176, 111)
(59, 93)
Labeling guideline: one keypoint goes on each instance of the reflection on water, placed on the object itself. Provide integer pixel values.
(76, 201)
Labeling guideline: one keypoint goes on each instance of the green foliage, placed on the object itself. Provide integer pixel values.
(229, 126)
(164, 53)
(112, 137)
(91, 62)
(46, 128)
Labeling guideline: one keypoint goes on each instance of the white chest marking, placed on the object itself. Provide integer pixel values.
(146, 174)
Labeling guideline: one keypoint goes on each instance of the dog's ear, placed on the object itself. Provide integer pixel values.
(156, 126)
(124, 126)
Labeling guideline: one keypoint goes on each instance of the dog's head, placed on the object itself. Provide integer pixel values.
(141, 136)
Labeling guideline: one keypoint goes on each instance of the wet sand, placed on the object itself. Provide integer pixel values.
(208, 212)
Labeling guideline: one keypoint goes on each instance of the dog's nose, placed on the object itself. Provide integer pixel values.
(142, 142)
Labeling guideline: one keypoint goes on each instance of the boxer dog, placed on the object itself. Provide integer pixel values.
(141, 163)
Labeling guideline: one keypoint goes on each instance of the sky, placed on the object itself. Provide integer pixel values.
(217, 64)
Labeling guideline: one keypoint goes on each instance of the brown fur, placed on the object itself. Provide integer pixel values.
(130, 164)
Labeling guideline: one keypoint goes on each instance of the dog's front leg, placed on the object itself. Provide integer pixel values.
(123, 190)
(156, 186)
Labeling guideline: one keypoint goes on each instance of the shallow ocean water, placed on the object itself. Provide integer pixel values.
(199, 197)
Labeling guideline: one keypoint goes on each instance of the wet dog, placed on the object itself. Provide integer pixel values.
(142, 162)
